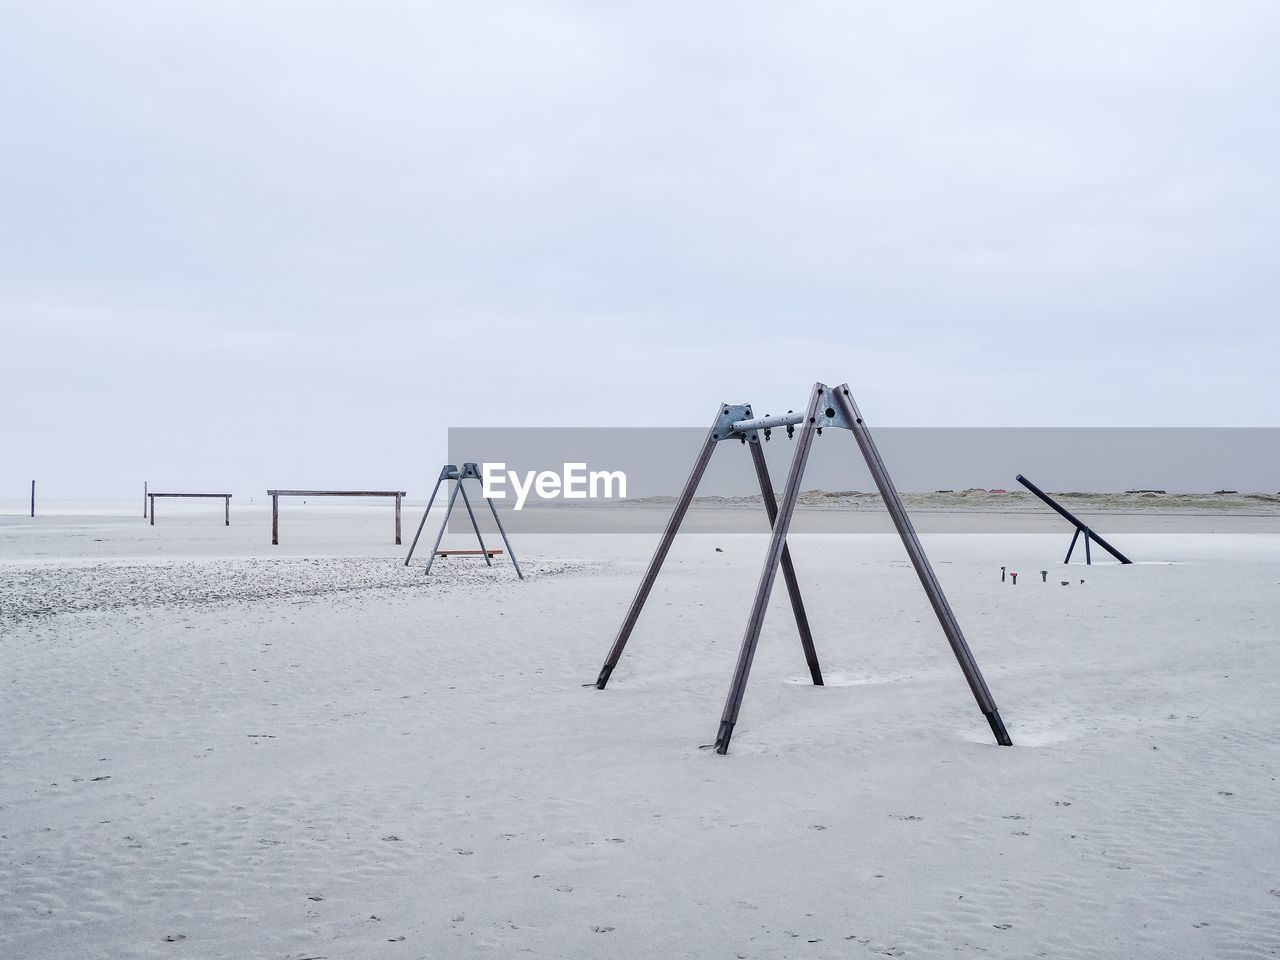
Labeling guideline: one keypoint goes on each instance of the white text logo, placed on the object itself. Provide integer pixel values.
(576, 482)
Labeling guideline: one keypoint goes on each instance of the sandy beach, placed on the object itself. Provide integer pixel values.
(978, 281)
(216, 748)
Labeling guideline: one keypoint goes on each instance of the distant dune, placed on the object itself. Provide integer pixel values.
(978, 500)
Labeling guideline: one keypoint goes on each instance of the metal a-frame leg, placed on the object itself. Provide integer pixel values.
(777, 543)
(947, 618)
(445, 473)
(507, 543)
(457, 487)
(474, 526)
(664, 546)
(828, 400)
(788, 570)
(1088, 554)
(1071, 549)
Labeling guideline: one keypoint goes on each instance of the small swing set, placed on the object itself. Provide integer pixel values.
(469, 471)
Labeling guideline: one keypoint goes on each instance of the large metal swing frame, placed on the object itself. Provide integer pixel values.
(469, 471)
(831, 409)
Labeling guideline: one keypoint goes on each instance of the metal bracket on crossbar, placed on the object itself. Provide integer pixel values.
(469, 471)
(827, 408)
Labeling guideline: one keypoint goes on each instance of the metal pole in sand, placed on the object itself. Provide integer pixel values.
(924, 570)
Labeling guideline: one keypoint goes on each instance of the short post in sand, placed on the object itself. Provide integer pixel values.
(469, 471)
(827, 408)
(1080, 525)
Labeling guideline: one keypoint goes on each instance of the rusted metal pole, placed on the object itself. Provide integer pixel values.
(773, 557)
(227, 510)
(915, 552)
(664, 545)
(397, 519)
(457, 488)
(33, 498)
(788, 571)
(153, 510)
(275, 519)
(474, 526)
(446, 473)
(510, 553)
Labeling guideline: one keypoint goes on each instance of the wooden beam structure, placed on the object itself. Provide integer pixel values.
(226, 506)
(275, 496)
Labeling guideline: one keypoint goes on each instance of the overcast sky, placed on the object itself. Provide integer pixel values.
(252, 244)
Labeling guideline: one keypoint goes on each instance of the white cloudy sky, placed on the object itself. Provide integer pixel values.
(252, 244)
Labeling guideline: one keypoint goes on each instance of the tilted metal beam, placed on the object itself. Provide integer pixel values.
(1070, 517)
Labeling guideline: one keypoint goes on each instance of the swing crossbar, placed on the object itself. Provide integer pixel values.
(767, 423)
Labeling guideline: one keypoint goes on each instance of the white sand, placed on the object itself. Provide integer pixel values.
(214, 748)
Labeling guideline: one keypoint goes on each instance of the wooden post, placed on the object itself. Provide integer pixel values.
(227, 505)
(153, 510)
(397, 519)
(33, 501)
(275, 520)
